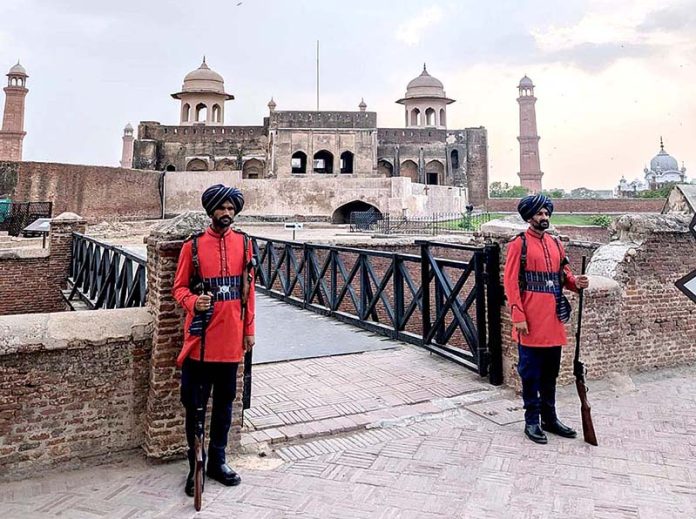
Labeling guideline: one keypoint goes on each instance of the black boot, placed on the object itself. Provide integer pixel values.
(224, 474)
(190, 482)
(556, 427)
(535, 434)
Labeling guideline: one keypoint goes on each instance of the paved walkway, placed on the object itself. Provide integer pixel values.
(415, 437)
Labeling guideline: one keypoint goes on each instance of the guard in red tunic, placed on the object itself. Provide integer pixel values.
(223, 256)
(536, 272)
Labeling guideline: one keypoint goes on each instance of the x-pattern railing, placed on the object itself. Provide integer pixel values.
(384, 292)
(106, 276)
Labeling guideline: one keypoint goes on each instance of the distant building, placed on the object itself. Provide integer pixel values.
(304, 144)
(12, 133)
(663, 170)
(530, 169)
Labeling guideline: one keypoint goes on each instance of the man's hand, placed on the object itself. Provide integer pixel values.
(203, 303)
(582, 281)
(249, 342)
(521, 327)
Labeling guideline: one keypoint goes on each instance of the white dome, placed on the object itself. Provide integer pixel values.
(17, 70)
(203, 80)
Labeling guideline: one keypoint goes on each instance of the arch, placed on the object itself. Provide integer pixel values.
(170, 167)
(201, 113)
(226, 165)
(197, 165)
(217, 113)
(430, 117)
(385, 168)
(415, 117)
(409, 169)
(253, 168)
(299, 162)
(347, 162)
(454, 159)
(323, 162)
(186, 112)
(342, 214)
(434, 172)
(443, 117)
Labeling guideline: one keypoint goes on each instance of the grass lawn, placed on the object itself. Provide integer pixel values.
(563, 219)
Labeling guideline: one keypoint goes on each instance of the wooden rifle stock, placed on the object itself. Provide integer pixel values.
(579, 371)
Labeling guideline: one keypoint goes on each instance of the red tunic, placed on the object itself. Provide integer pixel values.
(537, 308)
(219, 256)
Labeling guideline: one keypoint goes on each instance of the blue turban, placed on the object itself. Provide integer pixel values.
(215, 196)
(532, 204)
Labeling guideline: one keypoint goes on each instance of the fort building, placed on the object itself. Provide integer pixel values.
(316, 144)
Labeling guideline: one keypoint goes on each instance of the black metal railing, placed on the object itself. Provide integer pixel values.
(449, 306)
(440, 223)
(17, 215)
(106, 276)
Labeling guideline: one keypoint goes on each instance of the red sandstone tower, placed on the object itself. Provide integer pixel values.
(12, 133)
(530, 171)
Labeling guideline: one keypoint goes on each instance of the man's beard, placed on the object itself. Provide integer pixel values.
(540, 226)
(223, 222)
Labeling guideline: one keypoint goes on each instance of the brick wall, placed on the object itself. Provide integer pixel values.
(30, 279)
(592, 206)
(73, 388)
(95, 192)
(592, 233)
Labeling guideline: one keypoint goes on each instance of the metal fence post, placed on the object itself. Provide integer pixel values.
(495, 302)
(425, 290)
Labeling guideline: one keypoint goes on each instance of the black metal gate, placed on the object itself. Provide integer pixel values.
(21, 214)
(105, 276)
(450, 306)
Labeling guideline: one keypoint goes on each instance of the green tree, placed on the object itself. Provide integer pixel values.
(505, 190)
(553, 193)
(663, 192)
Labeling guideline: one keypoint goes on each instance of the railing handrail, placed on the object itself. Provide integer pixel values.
(116, 248)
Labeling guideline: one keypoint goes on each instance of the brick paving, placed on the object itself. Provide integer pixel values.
(439, 444)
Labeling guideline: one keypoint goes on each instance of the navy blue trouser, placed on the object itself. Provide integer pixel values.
(538, 369)
(221, 379)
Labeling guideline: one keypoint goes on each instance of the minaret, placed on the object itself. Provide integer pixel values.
(12, 133)
(127, 153)
(530, 171)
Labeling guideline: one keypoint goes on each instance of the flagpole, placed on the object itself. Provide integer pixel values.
(317, 75)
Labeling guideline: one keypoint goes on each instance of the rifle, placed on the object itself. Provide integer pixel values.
(199, 439)
(247, 280)
(579, 371)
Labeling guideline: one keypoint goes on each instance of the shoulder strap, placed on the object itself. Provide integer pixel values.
(523, 263)
(564, 258)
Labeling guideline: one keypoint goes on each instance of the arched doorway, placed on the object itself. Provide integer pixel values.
(298, 162)
(342, 214)
(409, 169)
(434, 172)
(346, 162)
(454, 159)
(197, 165)
(430, 117)
(385, 168)
(253, 168)
(323, 162)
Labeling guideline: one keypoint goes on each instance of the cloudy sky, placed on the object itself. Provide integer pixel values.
(611, 76)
